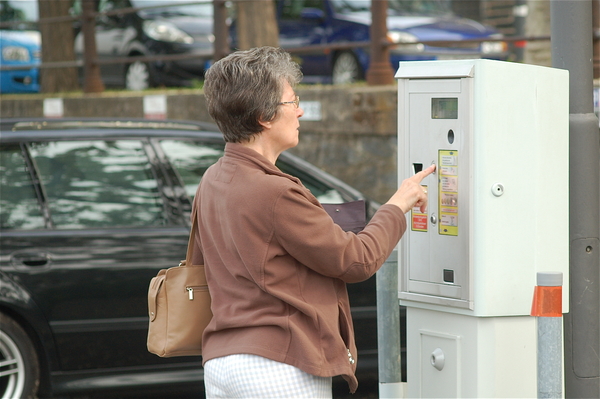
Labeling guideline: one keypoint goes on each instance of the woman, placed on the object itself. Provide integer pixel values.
(276, 264)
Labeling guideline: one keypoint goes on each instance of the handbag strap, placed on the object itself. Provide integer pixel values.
(190, 248)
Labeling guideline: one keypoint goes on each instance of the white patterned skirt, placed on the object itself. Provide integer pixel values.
(251, 376)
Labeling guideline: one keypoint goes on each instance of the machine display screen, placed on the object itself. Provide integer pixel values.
(444, 108)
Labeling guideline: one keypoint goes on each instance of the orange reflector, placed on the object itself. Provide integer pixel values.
(547, 302)
(520, 44)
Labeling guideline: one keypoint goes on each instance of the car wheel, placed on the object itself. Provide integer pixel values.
(19, 365)
(137, 76)
(346, 68)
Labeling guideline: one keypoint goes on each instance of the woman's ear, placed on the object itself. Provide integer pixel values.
(265, 125)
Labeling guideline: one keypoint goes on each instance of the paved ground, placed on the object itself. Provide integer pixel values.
(367, 389)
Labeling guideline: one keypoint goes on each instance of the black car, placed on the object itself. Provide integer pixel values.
(90, 210)
(158, 27)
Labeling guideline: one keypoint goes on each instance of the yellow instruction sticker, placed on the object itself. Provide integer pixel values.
(448, 192)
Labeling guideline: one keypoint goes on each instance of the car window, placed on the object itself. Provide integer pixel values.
(397, 7)
(292, 9)
(345, 6)
(98, 184)
(19, 206)
(183, 8)
(20, 14)
(191, 159)
(323, 192)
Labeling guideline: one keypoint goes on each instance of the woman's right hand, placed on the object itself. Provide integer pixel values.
(411, 193)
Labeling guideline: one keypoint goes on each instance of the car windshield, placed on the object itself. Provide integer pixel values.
(171, 8)
(395, 7)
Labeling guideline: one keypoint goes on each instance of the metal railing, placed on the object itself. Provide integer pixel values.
(91, 60)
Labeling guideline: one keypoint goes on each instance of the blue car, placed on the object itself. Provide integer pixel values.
(410, 22)
(19, 48)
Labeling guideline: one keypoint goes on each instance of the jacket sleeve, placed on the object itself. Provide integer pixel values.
(309, 235)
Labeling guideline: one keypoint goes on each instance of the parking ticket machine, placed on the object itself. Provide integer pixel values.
(497, 214)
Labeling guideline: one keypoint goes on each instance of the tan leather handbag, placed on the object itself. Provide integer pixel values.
(179, 307)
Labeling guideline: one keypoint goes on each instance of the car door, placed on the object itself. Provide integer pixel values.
(86, 241)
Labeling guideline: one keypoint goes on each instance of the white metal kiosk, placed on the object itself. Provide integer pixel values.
(498, 214)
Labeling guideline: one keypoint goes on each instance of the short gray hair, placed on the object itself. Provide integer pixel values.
(245, 88)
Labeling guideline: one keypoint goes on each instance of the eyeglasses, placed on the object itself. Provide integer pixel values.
(296, 102)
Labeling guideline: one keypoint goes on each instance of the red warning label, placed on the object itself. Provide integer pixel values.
(418, 218)
(419, 222)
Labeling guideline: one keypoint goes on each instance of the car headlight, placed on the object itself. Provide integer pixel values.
(166, 32)
(406, 41)
(493, 47)
(401, 37)
(206, 39)
(15, 53)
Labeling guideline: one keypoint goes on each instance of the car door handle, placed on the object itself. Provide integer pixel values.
(31, 259)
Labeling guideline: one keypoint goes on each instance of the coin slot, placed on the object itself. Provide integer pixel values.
(448, 276)
(450, 136)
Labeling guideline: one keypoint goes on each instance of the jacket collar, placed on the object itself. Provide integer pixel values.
(241, 153)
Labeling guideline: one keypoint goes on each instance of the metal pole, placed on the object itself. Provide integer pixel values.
(92, 82)
(550, 382)
(388, 330)
(550, 326)
(380, 70)
(571, 25)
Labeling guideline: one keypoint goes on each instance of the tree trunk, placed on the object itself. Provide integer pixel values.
(256, 24)
(57, 45)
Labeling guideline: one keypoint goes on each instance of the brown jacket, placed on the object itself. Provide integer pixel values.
(277, 266)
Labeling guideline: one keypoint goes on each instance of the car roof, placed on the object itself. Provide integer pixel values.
(69, 128)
